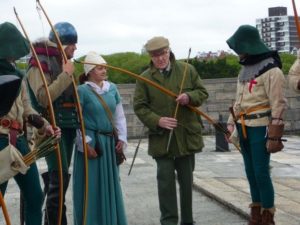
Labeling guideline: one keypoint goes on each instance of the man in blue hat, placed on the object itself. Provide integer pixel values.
(14, 110)
(59, 77)
(258, 113)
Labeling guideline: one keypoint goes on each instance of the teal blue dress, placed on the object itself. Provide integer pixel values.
(105, 201)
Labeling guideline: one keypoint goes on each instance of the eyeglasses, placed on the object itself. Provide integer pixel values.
(160, 53)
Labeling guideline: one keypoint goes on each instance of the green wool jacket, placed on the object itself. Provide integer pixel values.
(150, 105)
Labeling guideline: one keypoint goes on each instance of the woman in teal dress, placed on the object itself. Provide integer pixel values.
(105, 201)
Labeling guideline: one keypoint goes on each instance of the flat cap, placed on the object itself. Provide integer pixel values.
(156, 43)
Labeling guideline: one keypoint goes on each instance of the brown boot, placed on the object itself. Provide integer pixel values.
(255, 214)
(268, 216)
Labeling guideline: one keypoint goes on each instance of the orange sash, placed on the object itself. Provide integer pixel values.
(248, 111)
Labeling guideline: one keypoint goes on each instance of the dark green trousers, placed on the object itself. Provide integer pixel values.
(257, 165)
(166, 182)
(29, 184)
(51, 178)
(66, 149)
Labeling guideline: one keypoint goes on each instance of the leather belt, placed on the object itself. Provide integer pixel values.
(106, 133)
(14, 129)
(242, 116)
(257, 115)
(10, 124)
(68, 105)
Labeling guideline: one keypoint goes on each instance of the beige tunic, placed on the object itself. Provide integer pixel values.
(20, 109)
(268, 91)
(294, 76)
(56, 88)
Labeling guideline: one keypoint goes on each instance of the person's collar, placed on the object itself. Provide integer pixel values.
(167, 69)
(99, 89)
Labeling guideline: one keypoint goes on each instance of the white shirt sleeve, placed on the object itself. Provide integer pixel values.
(120, 123)
(78, 141)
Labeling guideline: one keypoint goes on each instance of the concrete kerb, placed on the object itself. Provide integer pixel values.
(240, 211)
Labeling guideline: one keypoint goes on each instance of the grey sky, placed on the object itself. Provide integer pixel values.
(110, 26)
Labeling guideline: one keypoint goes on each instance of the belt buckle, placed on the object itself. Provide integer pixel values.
(21, 133)
(15, 125)
(5, 123)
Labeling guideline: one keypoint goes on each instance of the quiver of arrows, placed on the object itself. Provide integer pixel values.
(12, 162)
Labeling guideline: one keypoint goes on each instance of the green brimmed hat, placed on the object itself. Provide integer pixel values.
(12, 43)
(156, 44)
(246, 40)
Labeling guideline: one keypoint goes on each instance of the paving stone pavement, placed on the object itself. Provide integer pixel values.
(141, 198)
(220, 175)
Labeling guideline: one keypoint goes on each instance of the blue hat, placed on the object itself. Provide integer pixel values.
(66, 32)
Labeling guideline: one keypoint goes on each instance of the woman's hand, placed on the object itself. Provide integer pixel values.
(119, 146)
(91, 152)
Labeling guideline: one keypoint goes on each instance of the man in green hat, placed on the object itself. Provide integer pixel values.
(156, 111)
(12, 47)
(258, 113)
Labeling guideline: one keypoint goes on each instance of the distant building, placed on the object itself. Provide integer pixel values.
(278, 30)
(210, 55)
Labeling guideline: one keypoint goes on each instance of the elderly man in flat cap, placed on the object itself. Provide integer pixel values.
(156, 111)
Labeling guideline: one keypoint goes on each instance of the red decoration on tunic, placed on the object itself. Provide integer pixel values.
(251, 84)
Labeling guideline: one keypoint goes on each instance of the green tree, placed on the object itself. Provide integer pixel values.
(229, 66)
(131, 61)
(217, 68)
(287, 61)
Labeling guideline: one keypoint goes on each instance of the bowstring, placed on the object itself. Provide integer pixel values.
(15, 62)
(45, 39)
(44, 42)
